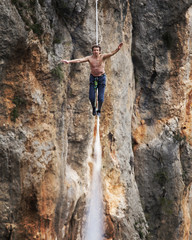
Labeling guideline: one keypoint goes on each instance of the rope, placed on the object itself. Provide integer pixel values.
(96, 23)
(97, 42)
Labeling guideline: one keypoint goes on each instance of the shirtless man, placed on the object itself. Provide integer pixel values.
(97, 76)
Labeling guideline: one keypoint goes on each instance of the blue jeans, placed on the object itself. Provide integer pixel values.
(101, 89)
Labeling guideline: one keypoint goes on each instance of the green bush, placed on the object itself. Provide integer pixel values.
(166, 205)
(139, 228)
(178, 137)
(161, 177)
(14, 114)
(56, 40)
(58, 72)
(19, 103)
(37, 29)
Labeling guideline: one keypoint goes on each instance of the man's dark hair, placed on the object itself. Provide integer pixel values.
(96, 46)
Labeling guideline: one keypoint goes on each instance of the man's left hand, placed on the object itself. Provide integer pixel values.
(120, 45)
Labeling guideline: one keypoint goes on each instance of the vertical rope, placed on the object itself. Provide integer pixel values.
(96, 23)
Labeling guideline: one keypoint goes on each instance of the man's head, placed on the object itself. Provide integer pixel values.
(96, 47)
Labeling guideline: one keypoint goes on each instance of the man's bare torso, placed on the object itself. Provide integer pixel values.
(97, 65)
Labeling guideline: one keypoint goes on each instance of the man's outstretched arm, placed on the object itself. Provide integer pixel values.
(107, 55)
(80, 60)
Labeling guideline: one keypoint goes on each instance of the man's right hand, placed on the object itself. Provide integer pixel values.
(65, 61)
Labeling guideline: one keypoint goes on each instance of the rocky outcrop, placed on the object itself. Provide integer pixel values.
(161, 126)
(47, 129)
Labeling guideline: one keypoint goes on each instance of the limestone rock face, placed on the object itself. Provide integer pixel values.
(162, 116)
(47, 127)
(12, 31)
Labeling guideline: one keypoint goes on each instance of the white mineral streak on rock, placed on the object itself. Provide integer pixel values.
(94, 217)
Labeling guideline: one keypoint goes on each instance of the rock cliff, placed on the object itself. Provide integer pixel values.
(47, 127)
